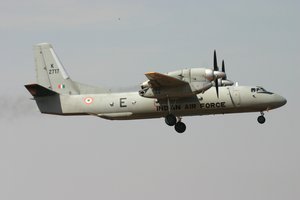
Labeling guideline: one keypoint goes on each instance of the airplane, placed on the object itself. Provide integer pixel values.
(173, 95)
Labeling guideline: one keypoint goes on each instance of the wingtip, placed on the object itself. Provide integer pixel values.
(150, 73)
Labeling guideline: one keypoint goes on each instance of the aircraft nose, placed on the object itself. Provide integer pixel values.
(279, 101)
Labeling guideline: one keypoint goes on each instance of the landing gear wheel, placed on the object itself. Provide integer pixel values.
(170, 120)
(180, 127)
(261, 119)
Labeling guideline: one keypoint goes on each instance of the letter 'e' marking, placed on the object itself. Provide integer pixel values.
(122, 102)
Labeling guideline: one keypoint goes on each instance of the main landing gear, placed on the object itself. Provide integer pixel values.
(172, 120)
(261, 119)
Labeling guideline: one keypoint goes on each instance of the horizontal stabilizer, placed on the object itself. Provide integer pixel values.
(37, 90)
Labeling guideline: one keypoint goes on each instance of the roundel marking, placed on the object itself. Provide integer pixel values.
(88, 100)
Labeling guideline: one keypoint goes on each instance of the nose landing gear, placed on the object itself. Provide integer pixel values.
(172, 120)
(261, 119)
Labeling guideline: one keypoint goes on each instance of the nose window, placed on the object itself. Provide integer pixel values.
(253, 89)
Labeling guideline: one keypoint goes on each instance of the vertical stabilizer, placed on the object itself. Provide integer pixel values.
(50, 72)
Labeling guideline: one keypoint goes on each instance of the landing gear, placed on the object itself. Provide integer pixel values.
(180, 127)
(170, 120)
(261, 119)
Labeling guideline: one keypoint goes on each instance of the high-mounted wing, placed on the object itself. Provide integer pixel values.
(157, 80)
(161, 86)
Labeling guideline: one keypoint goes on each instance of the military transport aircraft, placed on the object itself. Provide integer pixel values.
(185, 92)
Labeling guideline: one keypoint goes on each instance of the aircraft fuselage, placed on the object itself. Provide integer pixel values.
(126, 106)
(184, 92)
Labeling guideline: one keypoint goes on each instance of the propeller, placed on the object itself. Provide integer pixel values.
(215, 75)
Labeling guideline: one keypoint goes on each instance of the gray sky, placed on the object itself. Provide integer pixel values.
(219, 157)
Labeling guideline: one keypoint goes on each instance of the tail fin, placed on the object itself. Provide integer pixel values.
(50, 72)
(53, 80)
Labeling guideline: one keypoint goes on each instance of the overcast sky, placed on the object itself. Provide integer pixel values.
(112, 44)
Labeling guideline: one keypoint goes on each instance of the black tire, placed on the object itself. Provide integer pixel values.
(180, 127)
(261, 119)
(170, 120)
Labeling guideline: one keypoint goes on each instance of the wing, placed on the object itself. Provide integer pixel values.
(161, 86)
(162, 80)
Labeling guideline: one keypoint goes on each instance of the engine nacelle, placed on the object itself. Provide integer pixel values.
(197, 74)
(227, 82)
(224, 82)
(209, 74)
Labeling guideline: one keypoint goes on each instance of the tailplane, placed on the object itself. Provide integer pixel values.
(37, 90)
(48, 101)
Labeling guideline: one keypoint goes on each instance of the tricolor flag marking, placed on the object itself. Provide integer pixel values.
(61, 86)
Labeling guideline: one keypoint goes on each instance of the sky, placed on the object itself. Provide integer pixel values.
(112, 44)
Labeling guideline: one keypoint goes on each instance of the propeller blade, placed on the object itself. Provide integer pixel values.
(217, 87)
(216, 68)
(223, 70)
(223, 66)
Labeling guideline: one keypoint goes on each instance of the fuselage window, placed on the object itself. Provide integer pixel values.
(253, 90)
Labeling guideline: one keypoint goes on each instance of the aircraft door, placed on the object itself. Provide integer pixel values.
(235, 96)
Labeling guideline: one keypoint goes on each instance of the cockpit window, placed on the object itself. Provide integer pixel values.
(259, 89)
